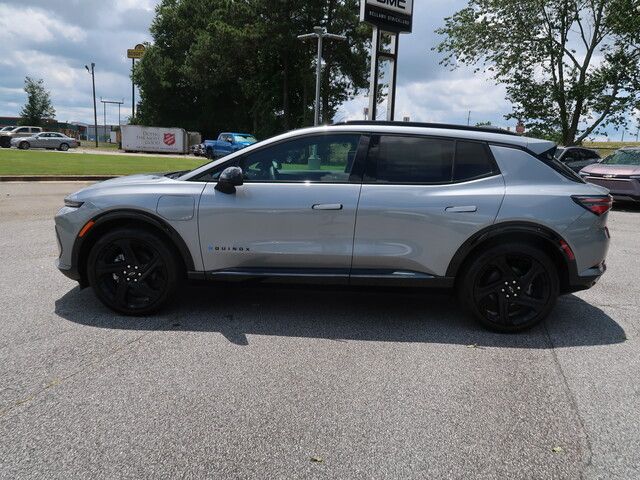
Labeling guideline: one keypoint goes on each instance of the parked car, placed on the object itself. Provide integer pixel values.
(576, 158)
(17, 132)
(619, 172)
(7, 129)
(492, 215)
(49, 140)
(228, 143)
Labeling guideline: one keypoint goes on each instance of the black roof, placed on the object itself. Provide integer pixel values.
(447, 126)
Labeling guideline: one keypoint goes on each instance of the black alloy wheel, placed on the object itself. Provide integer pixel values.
(511, 288)
(132, 272)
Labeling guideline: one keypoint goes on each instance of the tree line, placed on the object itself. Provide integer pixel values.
(219, 65)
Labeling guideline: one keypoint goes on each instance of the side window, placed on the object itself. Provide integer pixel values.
(23, 130)
(326, 158)
(472, 161)
(413, 160)
(35, 130)
(572, 155)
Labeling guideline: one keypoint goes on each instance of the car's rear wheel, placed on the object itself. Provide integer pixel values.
(64, 147)
(133, 272)
(510, 288)
(24, 146)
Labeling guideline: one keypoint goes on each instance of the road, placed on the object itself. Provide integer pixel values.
(307, 383)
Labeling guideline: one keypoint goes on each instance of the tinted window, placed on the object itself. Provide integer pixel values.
(327, 158)
(472, 161)
(22, 130)
(573, 155)
(413, 160)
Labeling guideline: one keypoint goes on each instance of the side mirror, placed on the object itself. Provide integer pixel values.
(230, 178)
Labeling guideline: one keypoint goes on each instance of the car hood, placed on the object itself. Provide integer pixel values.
(129, 180)
(606, 169)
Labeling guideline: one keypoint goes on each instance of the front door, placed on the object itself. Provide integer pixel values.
(295, 213)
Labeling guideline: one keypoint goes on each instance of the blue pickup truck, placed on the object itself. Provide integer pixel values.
(228, 142)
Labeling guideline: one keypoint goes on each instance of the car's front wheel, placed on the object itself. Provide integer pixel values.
(133, 272)
(510, 288)
(64, 147)
(24, 146)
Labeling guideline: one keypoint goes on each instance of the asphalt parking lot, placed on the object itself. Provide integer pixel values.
(307, 383)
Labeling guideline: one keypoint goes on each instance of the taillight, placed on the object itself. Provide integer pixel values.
(598, 204)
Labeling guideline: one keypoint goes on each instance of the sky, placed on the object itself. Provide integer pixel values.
(55, 39)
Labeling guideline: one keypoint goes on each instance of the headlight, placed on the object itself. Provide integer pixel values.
(72, 203)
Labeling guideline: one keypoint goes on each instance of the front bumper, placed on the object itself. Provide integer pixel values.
(620, 188)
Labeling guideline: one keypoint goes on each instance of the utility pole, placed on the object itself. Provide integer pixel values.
(320, 33)
(95, 110)
(469, 118)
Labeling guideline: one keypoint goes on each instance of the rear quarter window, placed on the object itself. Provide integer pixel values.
(472, 160)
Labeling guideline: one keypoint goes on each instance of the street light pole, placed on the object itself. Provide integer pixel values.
(95, 110)
(319, 33)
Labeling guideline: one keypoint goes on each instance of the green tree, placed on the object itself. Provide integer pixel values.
(219, 65)
(569, 66)
(38, 107)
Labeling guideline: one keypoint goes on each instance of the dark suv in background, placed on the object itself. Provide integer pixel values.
(576, 158)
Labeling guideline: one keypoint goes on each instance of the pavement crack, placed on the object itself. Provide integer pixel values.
(572, 401)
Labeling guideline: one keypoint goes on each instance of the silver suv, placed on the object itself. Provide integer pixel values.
(17, 132)
(490, 214)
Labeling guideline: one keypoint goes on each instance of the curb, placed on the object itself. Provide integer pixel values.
(55, 178)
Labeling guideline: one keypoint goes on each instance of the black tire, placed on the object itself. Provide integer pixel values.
(64, 147)
(24, 146)
(133, 272)
(510, 288)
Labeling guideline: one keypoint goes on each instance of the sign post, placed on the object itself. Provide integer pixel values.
(389, 19)
(133, 53)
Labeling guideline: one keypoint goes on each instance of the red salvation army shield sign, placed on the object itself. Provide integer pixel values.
(169, 139)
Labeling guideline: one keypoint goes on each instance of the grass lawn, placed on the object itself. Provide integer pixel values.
(37, 162)
(607, 148)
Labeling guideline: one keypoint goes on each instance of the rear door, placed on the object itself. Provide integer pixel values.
(421, 199)
(294, 215)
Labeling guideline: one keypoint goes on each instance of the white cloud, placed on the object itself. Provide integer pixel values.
(20, 26)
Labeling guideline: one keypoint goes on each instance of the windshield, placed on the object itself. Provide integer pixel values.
(245, 138)
(6, 129)
(623, 157)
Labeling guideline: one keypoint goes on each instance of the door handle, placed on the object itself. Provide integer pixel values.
(327, 206)
(462, 209)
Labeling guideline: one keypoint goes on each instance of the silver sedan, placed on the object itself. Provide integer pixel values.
(49, 140)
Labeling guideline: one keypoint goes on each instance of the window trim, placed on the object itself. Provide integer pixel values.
(370, 174)
(355, 176)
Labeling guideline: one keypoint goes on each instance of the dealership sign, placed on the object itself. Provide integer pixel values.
(389, 15)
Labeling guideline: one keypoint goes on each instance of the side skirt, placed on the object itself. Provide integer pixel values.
(314, 276)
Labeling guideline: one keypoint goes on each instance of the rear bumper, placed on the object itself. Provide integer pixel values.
(586, 279)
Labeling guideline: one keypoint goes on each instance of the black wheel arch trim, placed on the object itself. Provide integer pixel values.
(139, 216)
(505, 228)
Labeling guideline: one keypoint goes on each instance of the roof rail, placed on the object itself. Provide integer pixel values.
(487, 129)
